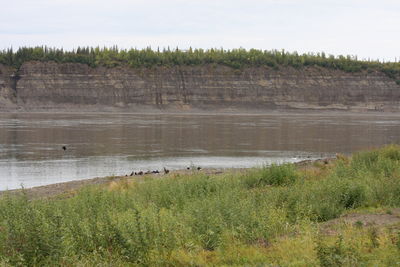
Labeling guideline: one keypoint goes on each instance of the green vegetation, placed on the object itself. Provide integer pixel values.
(236, 58)
(270, 216)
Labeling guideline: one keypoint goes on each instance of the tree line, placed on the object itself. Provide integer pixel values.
(235, 58)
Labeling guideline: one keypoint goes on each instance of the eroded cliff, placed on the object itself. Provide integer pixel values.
(39, 85)
(8, 83)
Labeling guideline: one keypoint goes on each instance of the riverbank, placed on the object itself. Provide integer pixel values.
(326, 213)
(68, 188)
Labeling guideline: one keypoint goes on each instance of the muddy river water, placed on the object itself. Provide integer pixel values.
(102, 144)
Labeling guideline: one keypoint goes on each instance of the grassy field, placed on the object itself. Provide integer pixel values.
(273, 216)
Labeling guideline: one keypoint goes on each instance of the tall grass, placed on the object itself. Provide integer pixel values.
(195, 220)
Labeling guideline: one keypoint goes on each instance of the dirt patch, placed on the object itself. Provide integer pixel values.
(392, 217)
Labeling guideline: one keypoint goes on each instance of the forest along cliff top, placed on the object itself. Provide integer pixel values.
(136, 80)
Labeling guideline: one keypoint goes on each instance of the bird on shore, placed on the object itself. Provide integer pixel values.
(132, 174)
(166, 171)
(64, 148)
(198, 168)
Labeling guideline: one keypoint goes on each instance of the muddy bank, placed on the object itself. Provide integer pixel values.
(67, 188)
(60, 189)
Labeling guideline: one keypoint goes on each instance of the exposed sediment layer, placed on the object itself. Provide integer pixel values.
(53, 85)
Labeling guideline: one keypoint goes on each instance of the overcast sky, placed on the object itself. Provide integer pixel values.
(366, 28)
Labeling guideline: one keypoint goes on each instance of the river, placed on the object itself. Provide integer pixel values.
(102, 144)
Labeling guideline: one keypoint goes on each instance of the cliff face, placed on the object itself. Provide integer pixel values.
(8, 82)
(53, 85)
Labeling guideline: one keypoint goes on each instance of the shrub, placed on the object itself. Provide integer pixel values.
(276, 175)
(352, 196)
(336, 255)
(391, 152)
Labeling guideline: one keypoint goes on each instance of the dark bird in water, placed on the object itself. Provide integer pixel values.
(64, 148)
(131, 174)
(198, 168)
(140, 173)
(166, 171)
(156, 171)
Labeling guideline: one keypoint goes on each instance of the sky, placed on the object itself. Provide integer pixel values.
(363, 28)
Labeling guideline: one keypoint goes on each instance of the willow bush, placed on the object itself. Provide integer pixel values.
(240, 218)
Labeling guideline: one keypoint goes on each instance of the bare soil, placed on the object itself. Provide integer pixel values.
(377, 220)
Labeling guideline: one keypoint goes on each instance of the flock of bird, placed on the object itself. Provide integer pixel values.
(165, 170)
